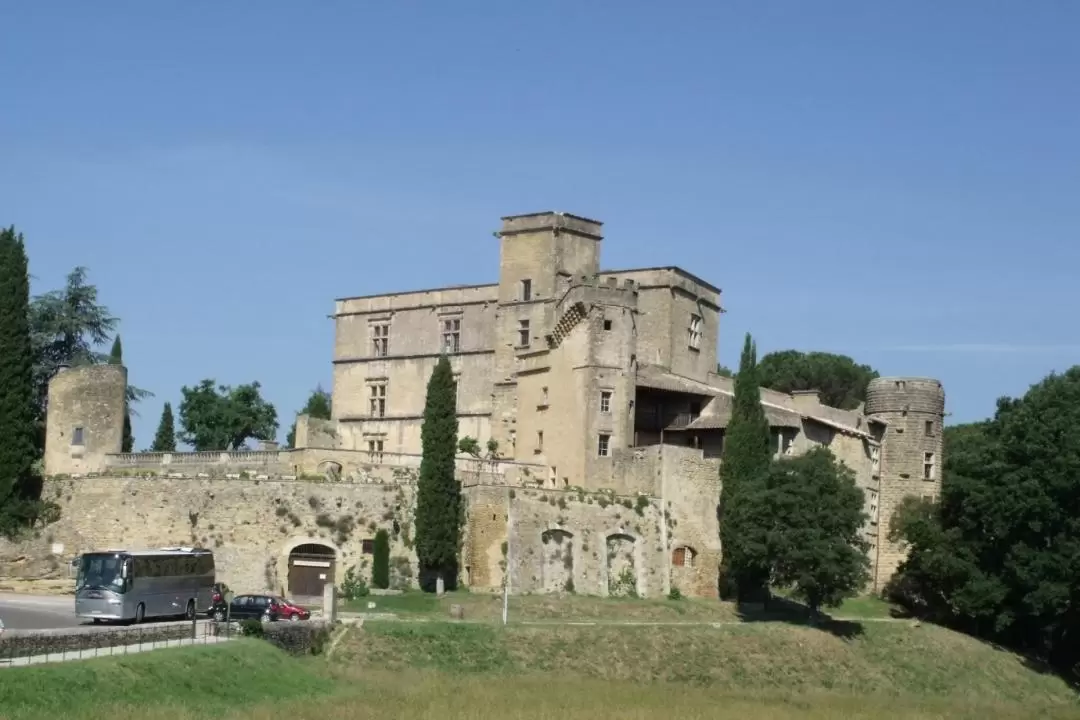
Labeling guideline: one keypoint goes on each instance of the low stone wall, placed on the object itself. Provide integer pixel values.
(26, 643)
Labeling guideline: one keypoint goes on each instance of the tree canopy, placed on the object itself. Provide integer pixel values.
(18, 501)
(816, 547)
(116, 357)
(999, 553)
(318, 405)
(438, 495)
(220, 417)
(746, 460)
(165, 438)
(840, 379)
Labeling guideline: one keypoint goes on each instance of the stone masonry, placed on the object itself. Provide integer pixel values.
(597, 387)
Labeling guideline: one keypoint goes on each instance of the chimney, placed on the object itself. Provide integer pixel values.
(806, 400)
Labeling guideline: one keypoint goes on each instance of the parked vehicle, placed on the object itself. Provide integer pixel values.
(137, 584)
(268, 608)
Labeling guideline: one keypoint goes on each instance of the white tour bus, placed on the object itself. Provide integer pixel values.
(121, 585)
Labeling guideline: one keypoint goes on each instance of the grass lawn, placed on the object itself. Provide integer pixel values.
(482, 607)
(751, 671)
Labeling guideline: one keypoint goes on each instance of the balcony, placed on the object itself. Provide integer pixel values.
(652, 419)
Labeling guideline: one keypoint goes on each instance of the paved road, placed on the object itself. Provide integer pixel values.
(37, 612)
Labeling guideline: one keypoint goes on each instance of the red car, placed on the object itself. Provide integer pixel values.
(286, 610)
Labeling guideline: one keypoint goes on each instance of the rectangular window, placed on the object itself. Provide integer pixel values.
(523, 333)
(872, 498)
(367, 547)
(451, 335)
(930, 428)
(928, 466)
(544, 396)
(375, 450)
(875, 460)
(380, 339)
(377, 399)
(607, 325)
(603, 448)
(605, 401)
(526, 290)
(539, 441)
(694, 332)
(77, 436)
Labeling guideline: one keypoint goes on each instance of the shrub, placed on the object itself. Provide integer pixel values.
(251, 628)
(353, 586)
(674, 594)
(380, 567)
(298, 638)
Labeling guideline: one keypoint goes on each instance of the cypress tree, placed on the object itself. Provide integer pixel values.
(116, 357)
(165, 439)
(380, 568)
(17, 394)
(438, 495)
(743, 474)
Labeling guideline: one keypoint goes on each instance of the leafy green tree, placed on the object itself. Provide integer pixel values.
(116, 357)
(439, 502)
(999, 555)
(318, 406)
(816, 545)
(742, 510)
(840, 379)
(18, 502)
(380, 567)
(220, 417)
(724, 371)
(165, 438)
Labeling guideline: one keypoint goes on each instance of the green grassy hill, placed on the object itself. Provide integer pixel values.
(439, 670)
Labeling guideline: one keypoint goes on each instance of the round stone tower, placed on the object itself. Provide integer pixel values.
(85, 419)
(913, 410)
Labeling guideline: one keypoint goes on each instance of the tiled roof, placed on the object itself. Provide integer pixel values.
(719, 411)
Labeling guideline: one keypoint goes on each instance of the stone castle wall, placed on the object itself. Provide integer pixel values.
(556, 541)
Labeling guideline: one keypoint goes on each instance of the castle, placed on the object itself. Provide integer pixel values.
(596, 407)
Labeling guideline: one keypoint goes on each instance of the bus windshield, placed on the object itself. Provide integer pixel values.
(100, 571)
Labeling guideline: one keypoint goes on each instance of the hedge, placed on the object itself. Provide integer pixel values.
(23, 643)
(298, 638)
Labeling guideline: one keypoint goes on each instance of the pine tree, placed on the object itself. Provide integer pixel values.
(165, 439)
(438, 502)
(743, 511)
(17, 394)
(380, 561)
(116, 357)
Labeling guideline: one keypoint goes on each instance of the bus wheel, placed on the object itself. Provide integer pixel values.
(189, 614)
(140, 613)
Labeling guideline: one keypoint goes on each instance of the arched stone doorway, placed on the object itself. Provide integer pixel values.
(557, 561)
(311, 566)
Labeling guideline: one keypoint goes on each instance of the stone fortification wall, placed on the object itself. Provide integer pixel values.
(251, 525)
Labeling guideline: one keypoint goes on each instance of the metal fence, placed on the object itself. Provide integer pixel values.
(31, 647)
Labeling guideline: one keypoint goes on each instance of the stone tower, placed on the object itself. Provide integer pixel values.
(85, 419)
(539, 255)
(911, 452)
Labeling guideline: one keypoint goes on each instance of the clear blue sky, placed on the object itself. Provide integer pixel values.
(895, 181)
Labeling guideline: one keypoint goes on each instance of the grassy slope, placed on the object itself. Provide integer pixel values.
(213, 679)
(888, 658)
(440, 670)
(580, 608)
